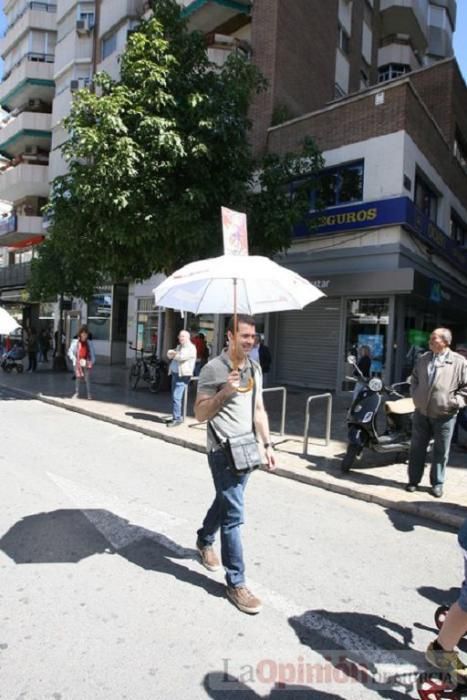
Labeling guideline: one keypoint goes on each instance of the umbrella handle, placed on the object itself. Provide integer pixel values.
(248, 387)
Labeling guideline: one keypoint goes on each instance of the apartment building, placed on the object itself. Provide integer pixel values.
(26, 93)
(312, 52)
(390, 250)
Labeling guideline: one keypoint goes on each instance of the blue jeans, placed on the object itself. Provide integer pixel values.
(226, 513)
(423, 429)
(179, 385)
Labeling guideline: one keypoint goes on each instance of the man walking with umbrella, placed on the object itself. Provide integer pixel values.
(231, 412)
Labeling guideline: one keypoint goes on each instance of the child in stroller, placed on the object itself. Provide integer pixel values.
(12, 359)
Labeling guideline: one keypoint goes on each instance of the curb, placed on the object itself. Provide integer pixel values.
(421, 510)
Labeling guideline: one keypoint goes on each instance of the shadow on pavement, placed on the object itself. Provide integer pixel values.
(380, 644)
(70, 535)
(406, 522)
(222, 686)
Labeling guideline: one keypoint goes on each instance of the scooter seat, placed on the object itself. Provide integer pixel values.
(400, 407)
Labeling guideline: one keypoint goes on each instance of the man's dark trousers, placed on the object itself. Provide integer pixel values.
(423, 430)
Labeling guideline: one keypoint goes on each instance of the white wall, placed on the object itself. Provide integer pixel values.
(384, 158)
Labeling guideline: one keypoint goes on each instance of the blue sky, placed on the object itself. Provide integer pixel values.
(460, 37)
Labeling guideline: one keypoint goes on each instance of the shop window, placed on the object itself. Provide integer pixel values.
(367, 324)
(458, 229)
(99, 314)
(341, 185)
(147, 324)
(426, 199)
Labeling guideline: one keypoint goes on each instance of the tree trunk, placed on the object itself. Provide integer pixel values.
(59, 363)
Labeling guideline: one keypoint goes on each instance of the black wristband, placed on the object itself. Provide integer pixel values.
(267, 444)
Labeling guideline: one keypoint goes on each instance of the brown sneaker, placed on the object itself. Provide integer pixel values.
(209, 558)
(244, 599)
(447, 661)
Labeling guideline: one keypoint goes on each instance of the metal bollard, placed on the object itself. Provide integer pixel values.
(307, 419)
(185, 396)
(284, 404)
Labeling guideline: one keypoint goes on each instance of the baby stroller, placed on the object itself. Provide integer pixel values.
(12, 360)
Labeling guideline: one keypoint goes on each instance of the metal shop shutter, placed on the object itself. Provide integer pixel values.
(308, 345)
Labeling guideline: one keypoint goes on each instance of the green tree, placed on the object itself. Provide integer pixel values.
(154, 156)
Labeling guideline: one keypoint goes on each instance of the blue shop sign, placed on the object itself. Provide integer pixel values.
(386, 212)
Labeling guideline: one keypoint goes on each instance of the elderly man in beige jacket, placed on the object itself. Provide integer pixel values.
(439, 391)
(182, 364)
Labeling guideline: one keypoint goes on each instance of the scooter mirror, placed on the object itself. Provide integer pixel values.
(351, 359)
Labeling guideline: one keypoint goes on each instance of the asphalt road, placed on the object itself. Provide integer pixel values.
(102, 596)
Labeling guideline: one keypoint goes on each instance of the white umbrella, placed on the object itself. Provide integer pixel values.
(7, 323)
(230, 284)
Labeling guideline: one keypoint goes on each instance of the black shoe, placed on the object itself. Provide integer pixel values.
(437, 491)
(174, 423)
(411, 488)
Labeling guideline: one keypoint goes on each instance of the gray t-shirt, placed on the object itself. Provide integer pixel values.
(236, 415)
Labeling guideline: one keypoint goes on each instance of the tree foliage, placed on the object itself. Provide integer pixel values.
(152, 158)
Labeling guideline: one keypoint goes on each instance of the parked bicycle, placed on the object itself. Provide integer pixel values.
(147, 368)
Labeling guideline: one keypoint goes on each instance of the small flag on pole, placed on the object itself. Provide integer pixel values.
(235, 231)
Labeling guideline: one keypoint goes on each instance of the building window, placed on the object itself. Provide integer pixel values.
(367, 325)
(391, 71)
(460, 150)
(147, 319)
(426, 199)
(109, 45)
(341, 185)
(343, 39)
(99, 314)
(458, 230)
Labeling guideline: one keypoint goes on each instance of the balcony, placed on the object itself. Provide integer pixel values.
(28, 179)
(37, 15)
(21, 230)
(114, 11)
(24, 133)
(220, 46)
(74, 47)
(207, 15)
(406, 17)
(397, 54)
(15, 275)
(29, 78)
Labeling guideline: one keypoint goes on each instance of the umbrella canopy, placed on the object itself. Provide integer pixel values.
(7, 323)
(262, 286)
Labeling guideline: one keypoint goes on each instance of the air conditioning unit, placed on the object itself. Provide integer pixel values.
(74, 85)
(31, 150)
(34, 104)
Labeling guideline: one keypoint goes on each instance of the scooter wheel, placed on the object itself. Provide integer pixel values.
(7, 369)
(350, 457)
(440, 615)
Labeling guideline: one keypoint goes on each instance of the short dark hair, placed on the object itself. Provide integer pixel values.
(83, 329)
(241, 318)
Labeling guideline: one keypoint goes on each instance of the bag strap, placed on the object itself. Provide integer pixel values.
(210, 425)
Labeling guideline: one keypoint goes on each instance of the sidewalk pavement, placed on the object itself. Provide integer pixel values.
(374, 479)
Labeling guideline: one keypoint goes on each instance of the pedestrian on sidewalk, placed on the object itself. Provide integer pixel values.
(32, 347)
(182, 364)
(439, 390)
(83, 357)
(231, 414)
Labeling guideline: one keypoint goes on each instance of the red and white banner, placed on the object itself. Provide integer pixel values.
(235, 231)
